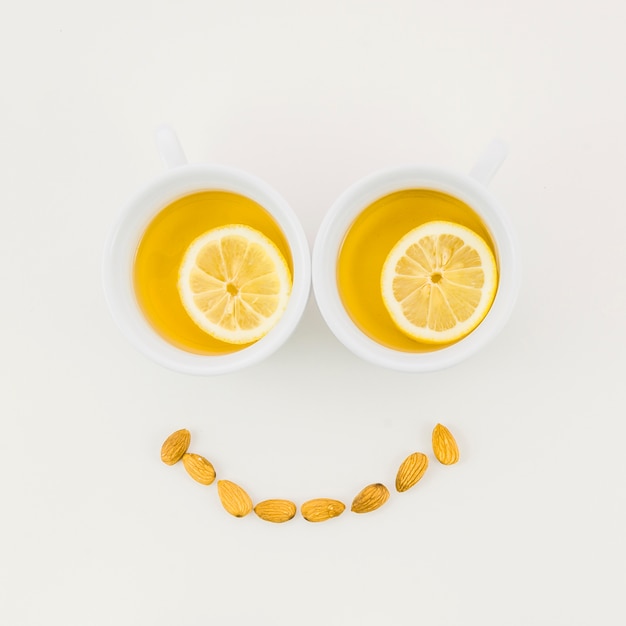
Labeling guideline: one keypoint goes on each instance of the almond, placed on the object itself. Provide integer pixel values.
(321, 509)
(234, 499)
(175, 446)
(411, 470)
(199, 468)
(370, 498)
(444, 445)
(276, 511)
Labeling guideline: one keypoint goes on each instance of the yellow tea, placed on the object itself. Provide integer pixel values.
(369, 240)
(161, 250)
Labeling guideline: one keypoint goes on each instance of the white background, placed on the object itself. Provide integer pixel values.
(527, 529)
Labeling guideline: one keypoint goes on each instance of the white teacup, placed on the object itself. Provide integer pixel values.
(180, 180)
(470, 189)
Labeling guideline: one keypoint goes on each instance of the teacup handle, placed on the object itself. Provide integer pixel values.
(169, 147)
(489, 161)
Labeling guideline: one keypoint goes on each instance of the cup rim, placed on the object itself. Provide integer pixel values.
(123, 238)
(345, 210)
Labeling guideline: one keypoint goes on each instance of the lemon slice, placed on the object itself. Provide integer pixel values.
(438, 282)
(234, 283)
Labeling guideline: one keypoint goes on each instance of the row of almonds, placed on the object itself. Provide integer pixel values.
(238, 503)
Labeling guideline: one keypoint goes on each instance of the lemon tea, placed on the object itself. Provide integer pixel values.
(369, 240)
(161, 250)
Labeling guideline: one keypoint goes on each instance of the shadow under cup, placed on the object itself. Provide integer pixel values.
(363, 226)
(163, 219)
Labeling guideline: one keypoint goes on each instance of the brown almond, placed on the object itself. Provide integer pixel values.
(370, 498)
(276, 511)
(444, 445)
(175, 446)
(199, 468)
(234, 499)
(321, 509)
(411, 470)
